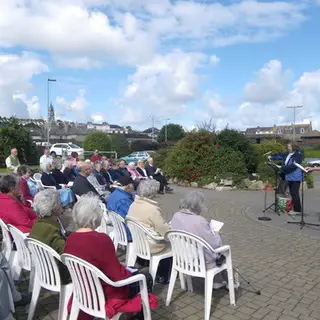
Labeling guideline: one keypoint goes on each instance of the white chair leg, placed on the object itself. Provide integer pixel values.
(230, 281)
(65, 294)
(131, 256)
(153, 268)
(173, 278)
(32, 279)
(208, 296)
(189, 283)
(145, 299)
(34, 300)
(14, 265)
(74, 312)
(182, 281)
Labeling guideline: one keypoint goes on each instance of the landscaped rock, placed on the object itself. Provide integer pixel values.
(258, 185)
(194, 184)
(226, 182)
(211, 186)
(247, 183)
(223, 188)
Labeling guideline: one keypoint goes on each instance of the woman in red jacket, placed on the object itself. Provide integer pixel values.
(98, 249)
(12, 211)
(24, 172)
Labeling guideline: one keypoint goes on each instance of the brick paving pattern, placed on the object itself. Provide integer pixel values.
(283, 263)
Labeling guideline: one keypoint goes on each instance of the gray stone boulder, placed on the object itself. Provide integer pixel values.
(226, 182)
(224, 188)
(257, 185)
(194, 184)
(247, 183)
(211, 186)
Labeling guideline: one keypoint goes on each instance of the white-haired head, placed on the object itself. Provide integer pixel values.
(47, 203)
(150, 160)
(87, 212)
(147, 189)
(192, 202)
(131, 165)
(46, 166)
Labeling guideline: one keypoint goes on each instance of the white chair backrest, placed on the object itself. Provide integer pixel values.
(139, 240)
(37, 176)
(188, 252)
(22, 250)
(37, 179)
(120, 233)
(77, 197)
(87, 289)
(45, 262)
(6, 240)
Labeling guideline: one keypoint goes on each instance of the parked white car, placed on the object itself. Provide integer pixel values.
(60, 149)
(314, 163)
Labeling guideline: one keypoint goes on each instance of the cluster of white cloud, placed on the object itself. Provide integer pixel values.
(86, 34)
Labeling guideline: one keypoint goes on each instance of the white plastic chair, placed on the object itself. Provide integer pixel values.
(47, 276)
(188, 259)
(141, 246)
(120, 237)
(106, 224)
(40, 185)
(23, 254)
(7, 251)
(88, 294)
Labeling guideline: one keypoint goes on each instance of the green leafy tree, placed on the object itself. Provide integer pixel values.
(97, 140)
(235, 140)
(14, 135)
(120, 144)
(175, 132)
(142, 145)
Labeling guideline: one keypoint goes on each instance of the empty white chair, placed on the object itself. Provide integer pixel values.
(23, 254)
(141, 246)
(47, 276)
(121, 238)
(88, 294)
(189, 260)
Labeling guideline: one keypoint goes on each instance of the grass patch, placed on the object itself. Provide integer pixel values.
(311, 153)
(4, 170)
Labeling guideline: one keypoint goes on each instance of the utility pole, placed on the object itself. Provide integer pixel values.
(166, 130)
(152, 121)
(48, 107)
(294, 121)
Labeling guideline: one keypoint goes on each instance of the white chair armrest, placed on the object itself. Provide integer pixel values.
(222, 249)
(30, 201)
(133, 279)
(50, 187)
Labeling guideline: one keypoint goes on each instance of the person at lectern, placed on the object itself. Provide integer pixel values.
(293, 175)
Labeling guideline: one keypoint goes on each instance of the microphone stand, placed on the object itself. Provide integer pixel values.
(302, 223)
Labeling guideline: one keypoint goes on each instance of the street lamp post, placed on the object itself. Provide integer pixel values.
(48, 110)
(166, 130)
(294, 121)
(152, 119)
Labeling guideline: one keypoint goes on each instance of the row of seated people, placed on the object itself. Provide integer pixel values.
(87, 215)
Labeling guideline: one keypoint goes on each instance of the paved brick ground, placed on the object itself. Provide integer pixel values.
(284, 263)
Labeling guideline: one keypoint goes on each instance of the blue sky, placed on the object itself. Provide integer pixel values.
(239, 62)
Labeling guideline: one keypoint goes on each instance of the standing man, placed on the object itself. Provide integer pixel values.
(45, 158)
(12, 162)
(96, 157)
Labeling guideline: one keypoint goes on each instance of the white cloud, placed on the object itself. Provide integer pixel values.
(166, 84)
(214, 60)
(75, 108)
(215, 106)
(97, 118)
(16, 72)
(87, 33)
(132, 116)
(269, 86)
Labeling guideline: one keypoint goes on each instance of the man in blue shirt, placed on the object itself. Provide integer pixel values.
(121, 199)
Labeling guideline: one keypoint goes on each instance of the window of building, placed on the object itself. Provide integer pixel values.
(302, 130)
(279, 131)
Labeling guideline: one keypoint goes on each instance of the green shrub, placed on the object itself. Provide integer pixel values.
(311, 153)
(160, 157)
(265, 147)
(120, 144)
(237, 141)
(197, 157)
(97, 140)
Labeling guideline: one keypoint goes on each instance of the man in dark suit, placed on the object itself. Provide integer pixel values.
(155, 173)
(81, 184)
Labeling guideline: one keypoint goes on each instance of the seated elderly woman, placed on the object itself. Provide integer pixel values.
(69, 170)
(59, 177)
(48, 228)
(189, 219)
(87, 215)
(25, 188)
(146, 211)
(66, 195)
(12, 211)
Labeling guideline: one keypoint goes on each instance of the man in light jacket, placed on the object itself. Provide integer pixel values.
(12, 162)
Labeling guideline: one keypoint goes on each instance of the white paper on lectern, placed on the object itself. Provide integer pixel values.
(216, 225)
(300, 167)
(158, 171)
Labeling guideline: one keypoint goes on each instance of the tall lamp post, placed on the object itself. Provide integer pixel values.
(166, 130)
(48, 109)
(294, 121)
(152, 119)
